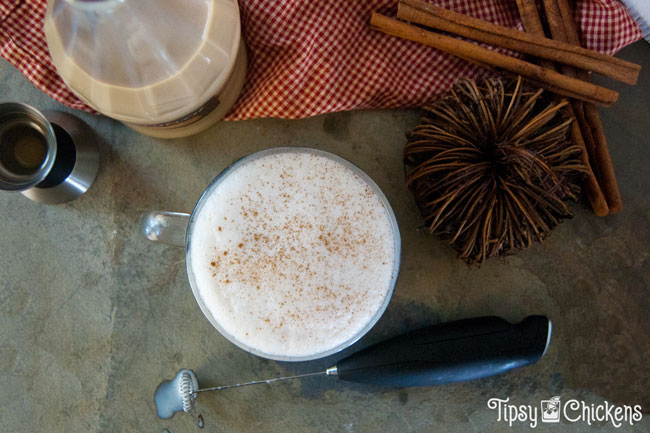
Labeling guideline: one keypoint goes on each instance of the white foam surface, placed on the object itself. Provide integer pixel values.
(293, 254)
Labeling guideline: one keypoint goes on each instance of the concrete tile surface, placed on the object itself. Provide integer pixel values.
(93, 317)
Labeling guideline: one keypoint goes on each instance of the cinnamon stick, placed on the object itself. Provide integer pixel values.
(537, 45)
(603, 160)
(530, 18)
(559, 31)
(591, 187)
(554, 20)
(569, 26)
(546, 77)
(532, 24)
(600, 153)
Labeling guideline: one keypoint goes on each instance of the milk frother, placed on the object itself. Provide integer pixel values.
(448, 352)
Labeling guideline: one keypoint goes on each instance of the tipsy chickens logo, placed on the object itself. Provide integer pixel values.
(553, 411)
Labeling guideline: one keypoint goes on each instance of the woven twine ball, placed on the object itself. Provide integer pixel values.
(491, 167)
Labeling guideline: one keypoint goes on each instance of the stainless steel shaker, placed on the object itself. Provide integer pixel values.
(51, 156)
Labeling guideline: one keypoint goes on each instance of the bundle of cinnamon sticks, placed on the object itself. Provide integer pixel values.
(571, 79)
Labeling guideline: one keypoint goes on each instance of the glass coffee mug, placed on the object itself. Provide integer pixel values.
(179, 229)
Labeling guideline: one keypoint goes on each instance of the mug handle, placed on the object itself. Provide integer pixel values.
(165, 227)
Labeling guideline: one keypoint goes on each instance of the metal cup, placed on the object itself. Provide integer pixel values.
(51, 156)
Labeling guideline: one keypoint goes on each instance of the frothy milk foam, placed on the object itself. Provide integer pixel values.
(293, 254)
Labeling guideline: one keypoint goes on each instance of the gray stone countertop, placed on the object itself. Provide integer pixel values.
(93, 317)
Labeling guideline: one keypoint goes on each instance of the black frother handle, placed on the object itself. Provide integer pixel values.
(449, 352)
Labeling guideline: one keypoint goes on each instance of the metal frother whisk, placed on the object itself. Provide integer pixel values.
(444, 353)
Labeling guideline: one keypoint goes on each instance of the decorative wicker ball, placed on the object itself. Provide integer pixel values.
(490, 167)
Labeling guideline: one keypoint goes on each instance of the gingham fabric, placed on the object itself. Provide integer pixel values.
(319, 56)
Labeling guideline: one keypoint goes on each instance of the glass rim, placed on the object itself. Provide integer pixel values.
(356, 170)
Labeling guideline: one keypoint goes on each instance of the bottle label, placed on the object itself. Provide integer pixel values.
(188, 119)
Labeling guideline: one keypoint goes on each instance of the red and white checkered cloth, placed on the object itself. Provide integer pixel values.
(312, 57)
